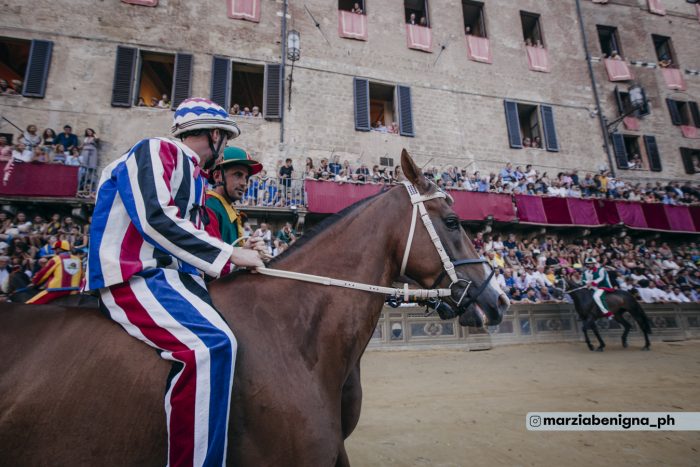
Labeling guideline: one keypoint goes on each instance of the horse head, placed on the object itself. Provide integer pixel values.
(475, 295)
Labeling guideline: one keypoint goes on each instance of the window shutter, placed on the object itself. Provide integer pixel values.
(675, 113)
(513, 125)
(695, 113)
(123, 84)
(644, 111)
(272, 107)
(618, 99)
(221, 81)
(182, 81)
(620, 151)
(687, 156)
(37, 68)
(653, 153)
(361, 93)
(405, 111)
(550, 131)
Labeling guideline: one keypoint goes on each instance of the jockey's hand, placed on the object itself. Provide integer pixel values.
(257, 244)
(245, 258)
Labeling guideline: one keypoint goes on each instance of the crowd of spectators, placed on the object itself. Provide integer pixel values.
(162, 103)
(245, 111)
(529, 269)
(14, 88)
(51, 148)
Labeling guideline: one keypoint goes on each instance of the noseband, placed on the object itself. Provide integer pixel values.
(447, 263)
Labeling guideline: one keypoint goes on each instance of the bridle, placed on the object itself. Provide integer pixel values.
(432, 297)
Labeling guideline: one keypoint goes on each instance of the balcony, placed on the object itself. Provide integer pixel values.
(419, 37)
(39, 180)
(352, 25)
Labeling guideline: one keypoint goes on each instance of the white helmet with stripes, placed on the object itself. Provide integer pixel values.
(198, 113)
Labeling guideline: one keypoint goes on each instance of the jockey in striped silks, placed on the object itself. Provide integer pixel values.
(148, 247)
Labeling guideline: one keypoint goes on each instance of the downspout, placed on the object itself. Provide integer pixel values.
(601, 118)
(283, 71)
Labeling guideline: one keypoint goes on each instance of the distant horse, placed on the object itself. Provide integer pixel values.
(618, 302)
(76, 390)
(21, 289)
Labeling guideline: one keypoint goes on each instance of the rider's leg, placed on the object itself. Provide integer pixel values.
(597, 297)
(173, 313)
(44, 297)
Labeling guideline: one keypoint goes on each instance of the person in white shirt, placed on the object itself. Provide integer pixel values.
(21, 153)
(652, 294)
(677, 296)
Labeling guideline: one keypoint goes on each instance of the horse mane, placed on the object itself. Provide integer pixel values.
(324, 224)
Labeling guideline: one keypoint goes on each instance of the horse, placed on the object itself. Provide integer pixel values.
(21, 289)
(618, 302)
(75, 389)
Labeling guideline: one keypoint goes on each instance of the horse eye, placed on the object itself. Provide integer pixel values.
(452, 223)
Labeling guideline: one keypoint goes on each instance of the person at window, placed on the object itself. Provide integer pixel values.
(412, 19)
(615, 55)
(235, 109)
(356, 9)
(665, 61)
(67, 139)
(5, 88)
(537, 142)
(423, 22)
(394, 128)
(379, 126)
(17, 85)
(468, 30)
(153, 271)
(528, 42)
(30, 137)
(142, 102)
(527, 142)
(154, 103)
(256, 112)
(539, 44)
(246, 112)
(164, 102)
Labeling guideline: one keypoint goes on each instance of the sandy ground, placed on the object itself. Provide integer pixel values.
(459, 408)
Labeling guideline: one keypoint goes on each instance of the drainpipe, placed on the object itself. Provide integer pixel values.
(601, 118)
(282, 72)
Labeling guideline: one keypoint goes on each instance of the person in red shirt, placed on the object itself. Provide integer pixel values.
(62, 275)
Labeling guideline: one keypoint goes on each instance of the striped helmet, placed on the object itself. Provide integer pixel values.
(197, 113)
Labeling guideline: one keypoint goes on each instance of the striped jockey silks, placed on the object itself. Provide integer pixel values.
(171, 311)
(147, 215)
(63, 271)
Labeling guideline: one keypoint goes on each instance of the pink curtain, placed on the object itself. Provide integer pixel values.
(36, 179)
(674, 78)
(352, 25)
(419, 37)
(248, 10)
(332, 197)
(631, 214)
(655, 216)
(618, 70)
(689, 131)
(631, 123)
(679, 218)
(557, 210)
(142, 2)
(538, 59)
(479, 49)
(657, 7)
(583, 212)
(530, 209)
(606, 211)
(475, 206)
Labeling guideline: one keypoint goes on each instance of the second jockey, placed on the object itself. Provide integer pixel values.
(62, 275)
(597, 278)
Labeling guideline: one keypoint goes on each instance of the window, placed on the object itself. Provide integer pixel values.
(151, 79)
(691, 160)
(664, 51)
(155, 80)
(416, 12)
(684, 113)
(532, 32)
(24, 65)
(531, 126)
(383, 107)
(624, 104)
(609, 41)
(247, 85)
(474, 18)
(351, 5)
(630, 153)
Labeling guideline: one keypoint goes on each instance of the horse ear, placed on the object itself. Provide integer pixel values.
(412, 172)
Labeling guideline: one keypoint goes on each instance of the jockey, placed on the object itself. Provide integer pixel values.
(62, 275)
(597, 278)
(230, 176)
(148, 246)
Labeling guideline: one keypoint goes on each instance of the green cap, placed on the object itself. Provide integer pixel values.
(237, 156)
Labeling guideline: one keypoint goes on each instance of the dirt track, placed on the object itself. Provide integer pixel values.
(457, 408)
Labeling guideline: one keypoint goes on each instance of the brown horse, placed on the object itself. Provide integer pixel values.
(75, 389)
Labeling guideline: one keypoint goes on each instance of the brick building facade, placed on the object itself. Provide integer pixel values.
(452, 110)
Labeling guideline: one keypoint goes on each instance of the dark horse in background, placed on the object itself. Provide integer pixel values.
(21, 289)
(618, 303)
(76, 390)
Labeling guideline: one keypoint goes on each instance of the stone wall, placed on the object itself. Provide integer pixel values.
(457, 103)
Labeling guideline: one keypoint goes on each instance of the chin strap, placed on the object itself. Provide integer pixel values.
(214, 151)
